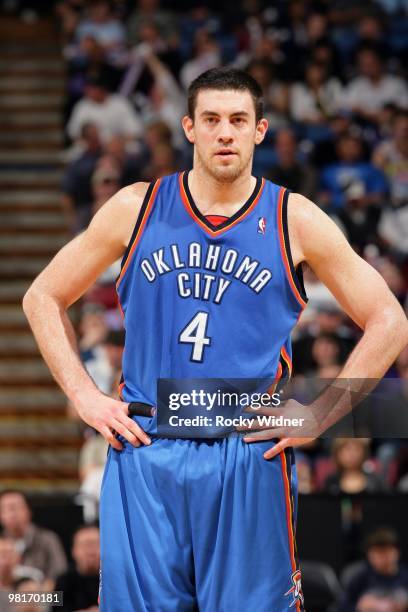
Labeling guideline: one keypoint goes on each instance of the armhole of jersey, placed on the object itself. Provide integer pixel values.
(295, 276)
(143, 215)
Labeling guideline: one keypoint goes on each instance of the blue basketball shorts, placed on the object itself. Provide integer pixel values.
(202, 525)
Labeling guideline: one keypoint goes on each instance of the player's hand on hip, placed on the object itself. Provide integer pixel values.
(300, 426)
(110, 417)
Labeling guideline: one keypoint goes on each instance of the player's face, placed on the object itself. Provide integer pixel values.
(224, 132)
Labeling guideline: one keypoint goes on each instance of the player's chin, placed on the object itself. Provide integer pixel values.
(228, 169)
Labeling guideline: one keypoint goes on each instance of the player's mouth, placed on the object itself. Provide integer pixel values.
(225, 153)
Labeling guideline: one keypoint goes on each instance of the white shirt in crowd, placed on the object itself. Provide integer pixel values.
(305, 105)
(363, 93)
(115, 116)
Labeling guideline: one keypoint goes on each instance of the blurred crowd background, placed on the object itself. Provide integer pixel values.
(334, 79)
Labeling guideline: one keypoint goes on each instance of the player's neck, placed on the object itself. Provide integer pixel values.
(212, 196)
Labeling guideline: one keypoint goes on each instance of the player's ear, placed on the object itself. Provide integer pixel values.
(261, 129)
(188, 127)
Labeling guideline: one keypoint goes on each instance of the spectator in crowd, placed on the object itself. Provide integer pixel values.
(327, 321)
(93, 331)
(103, 359)
(371, 33)
(382, 570)
(304, 473)
(128, 163)
(288, 169)
(316, 28)
(38, 547)
(105, 182)
(86, 60)
(165, 100)
(367, 94)
(351, 179)
(11, 569)
(111, 113)
(100, 25)
(147, 12)
(92, 328)
(393, 277)
(76, 183)
(325, 54)
(380, 601)
(351, 476)
(276, 93)
(163, 162)
(326, 351)
(28, 585)
(206, 55)
(354, 190)
(315, 101)
(392, 158)
(80, 583)
(92, 459)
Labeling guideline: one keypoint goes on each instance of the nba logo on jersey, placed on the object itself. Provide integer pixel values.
(261, 225)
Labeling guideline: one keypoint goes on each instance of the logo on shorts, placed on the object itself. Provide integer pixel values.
(100, 585)
(296, 589)
(261, 225)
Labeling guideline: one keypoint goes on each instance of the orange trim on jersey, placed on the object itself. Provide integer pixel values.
(284, 252)
(120, 387)
(120, 307)
(285, 356)
(140, 230)
(271, 390)
(215, 232)
(289, 518)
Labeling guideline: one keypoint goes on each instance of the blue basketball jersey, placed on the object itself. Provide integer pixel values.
(202, 301)
(206, 301)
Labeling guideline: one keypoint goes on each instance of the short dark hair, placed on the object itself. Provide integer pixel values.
(223, 79)
(83, 527)
(382, 537)
(10, 491)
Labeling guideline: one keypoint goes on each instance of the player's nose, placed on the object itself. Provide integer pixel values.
(225, 132)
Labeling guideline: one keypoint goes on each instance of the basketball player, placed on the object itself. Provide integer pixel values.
(210, 286)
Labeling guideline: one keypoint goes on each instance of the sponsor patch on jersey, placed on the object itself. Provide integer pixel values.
(261, 225)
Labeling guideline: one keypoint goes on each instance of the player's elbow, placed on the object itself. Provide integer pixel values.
(33, 299)
(395, 326)
(404, 332)
(30, 299)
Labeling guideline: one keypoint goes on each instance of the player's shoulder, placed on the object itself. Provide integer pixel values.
(133, 194)
(117, 217)
(301, 208)
(303, 213)
(310, 228)
(127, 202)
(305, 218)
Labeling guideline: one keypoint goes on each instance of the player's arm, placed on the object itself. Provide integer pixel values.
(66, 278)
(358, 287)
(365, 297)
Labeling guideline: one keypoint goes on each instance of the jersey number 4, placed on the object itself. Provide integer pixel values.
(195, 333)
